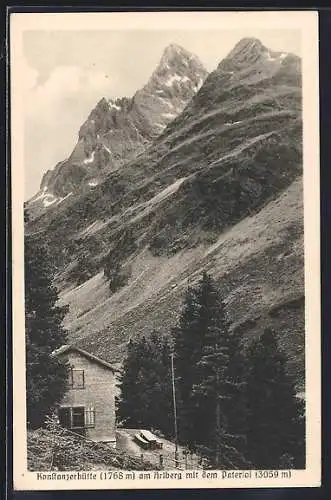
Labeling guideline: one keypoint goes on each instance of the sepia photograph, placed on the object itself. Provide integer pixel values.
(166, 250)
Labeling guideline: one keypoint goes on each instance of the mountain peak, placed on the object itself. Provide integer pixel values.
(173, 50)
(173, 47)
(247, 49)
(178, 65)
(119, 128)
(175, 55)
(248, 43)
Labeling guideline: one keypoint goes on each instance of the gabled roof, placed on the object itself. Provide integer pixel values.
(92, 357)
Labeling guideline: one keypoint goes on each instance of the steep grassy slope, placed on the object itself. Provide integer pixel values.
(259, 265)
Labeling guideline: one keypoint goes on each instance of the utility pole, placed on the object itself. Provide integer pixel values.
(218, 417)
(175, 407)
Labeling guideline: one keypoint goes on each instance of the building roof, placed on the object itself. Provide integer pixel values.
(92, 357)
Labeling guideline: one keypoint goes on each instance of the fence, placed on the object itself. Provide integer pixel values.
(183, 460)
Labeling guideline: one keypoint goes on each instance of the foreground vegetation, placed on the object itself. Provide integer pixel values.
(54, 448)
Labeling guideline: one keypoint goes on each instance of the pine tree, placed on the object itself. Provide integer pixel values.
(210, 380)
(187, 349)
(46, 375)
(235, 404)
(129, 404)
(145, 385)
(207, 383)
(275, 431)
(162, 407)
(221, 389)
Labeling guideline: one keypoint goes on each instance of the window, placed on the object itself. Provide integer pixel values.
(65, 417)
(89, 417)
(77, 418)
(77, 379)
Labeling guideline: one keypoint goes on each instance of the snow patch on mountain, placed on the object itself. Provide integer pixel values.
(198, 86)
(278, 57)
(40, 195)
(93, 183)
(65, 197)
(47, 199)
(160, 125)
(50, 199)
(169, 115)
(270, 58)
(176, 78)
(90, 159)
(112, 105)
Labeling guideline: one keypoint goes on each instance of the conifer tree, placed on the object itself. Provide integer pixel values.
(145, 385)
(162, 404)
(46, 375)
(128, 403)
(221, 390)
(207, 382)
(187, 349)
(275, 432)
(235, 404)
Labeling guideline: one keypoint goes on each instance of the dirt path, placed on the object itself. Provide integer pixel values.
(125, 442)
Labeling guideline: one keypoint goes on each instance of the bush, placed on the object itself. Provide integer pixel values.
(56, 448)
(82, 271)
(117, 278)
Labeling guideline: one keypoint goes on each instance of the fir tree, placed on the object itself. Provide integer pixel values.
(207, 383)
(221, 389)
(275, 432)
(130, 409)
(163, 403)
(235, 405)
(46, 375)
(145, 385)
(187, 349)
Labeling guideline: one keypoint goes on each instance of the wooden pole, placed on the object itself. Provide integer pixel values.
(174, 407)
(218, 418)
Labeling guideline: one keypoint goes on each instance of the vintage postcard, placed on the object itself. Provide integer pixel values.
(166, 275)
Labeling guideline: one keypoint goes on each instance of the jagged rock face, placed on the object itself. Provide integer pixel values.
(220, 190)
(116, 130)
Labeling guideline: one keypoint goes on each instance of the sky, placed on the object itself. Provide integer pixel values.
(65, 73)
